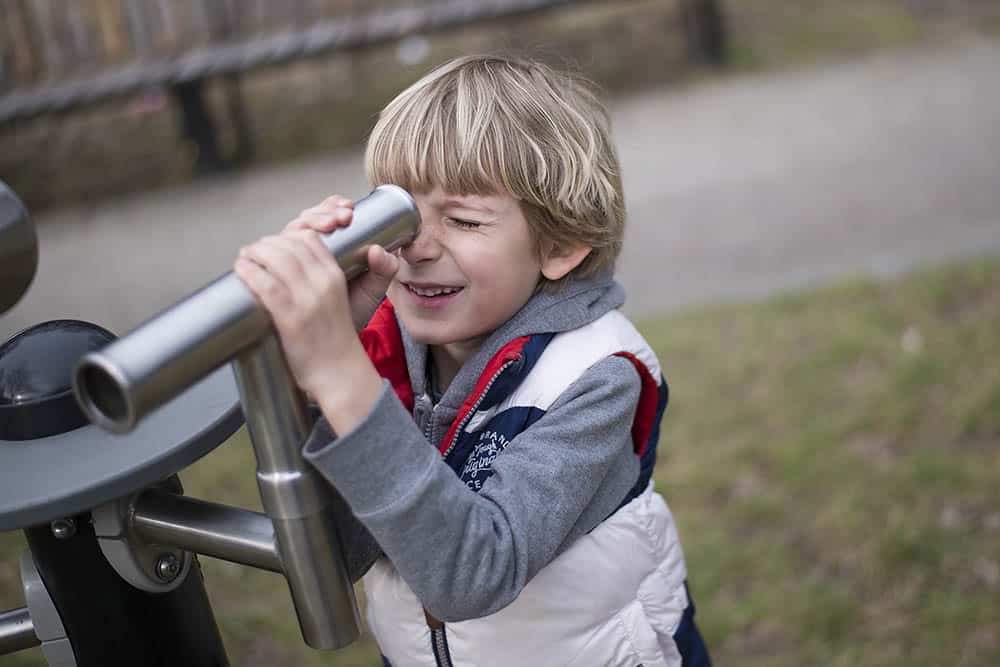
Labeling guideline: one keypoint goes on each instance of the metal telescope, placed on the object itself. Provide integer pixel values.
(222, 322)
(111, 573)
(116, 386)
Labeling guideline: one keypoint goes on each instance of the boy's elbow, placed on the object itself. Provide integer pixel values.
(455, 606)
(484, 576)
(455, 611)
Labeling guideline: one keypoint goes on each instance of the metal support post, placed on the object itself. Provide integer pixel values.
(296, 498)
(229, 533)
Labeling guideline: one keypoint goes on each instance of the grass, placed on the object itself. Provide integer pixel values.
(832, 458)
(782, 33)
(774, 33)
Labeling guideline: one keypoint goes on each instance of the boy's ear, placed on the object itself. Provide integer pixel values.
(560, 260)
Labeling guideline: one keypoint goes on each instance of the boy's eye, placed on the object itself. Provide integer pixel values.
(465, 224)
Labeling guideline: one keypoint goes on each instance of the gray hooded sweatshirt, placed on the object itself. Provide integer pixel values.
(467, 554)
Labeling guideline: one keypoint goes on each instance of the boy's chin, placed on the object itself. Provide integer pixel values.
(440, 335)
(432, 338)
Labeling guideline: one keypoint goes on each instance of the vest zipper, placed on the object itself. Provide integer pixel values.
(439, 637)
(475, 407)
(439, 644)
(425, 406)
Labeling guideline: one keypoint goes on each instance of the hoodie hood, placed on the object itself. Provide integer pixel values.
(579, 302)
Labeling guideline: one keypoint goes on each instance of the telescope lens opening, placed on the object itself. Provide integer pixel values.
(104, 394)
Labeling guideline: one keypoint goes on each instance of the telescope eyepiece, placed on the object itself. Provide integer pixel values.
(103, 396)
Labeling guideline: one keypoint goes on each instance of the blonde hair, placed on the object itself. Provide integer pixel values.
(487, 124)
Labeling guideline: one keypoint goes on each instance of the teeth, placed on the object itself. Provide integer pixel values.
(434, 292)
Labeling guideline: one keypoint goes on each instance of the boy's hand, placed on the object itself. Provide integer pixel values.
(367, 290)
(298, 281)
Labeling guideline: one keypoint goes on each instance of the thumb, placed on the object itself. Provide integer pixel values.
(368, 289)
(383, 265)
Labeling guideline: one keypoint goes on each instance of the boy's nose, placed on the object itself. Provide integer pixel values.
(426, 246)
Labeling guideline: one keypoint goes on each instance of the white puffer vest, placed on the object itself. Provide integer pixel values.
(615, 597)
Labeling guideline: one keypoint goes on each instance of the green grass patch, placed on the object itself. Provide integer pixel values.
(832, 458)
(775, 33)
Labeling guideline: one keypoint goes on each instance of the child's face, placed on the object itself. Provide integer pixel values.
(472, 267)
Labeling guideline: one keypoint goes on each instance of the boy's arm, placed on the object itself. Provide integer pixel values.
(465, 554)
(359, 547)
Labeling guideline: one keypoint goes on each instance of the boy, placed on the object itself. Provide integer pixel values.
(500, 472)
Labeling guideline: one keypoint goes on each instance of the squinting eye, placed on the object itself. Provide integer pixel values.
(464, 224)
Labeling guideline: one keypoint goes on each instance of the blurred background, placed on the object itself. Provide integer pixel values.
(812, 249)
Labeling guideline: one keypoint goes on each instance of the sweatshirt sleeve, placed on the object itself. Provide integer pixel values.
(468, 554)
(360, 548)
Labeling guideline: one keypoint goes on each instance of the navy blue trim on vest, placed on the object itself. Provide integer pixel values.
(477, 451)
(486, 443)
(473, 453)
(513, 376)
(689, 641)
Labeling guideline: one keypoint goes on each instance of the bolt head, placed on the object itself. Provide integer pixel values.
(168, 566)
(63, 529)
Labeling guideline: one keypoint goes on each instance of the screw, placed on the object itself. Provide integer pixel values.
(168, 566)
(63, 529)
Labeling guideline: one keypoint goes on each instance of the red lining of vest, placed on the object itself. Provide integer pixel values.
(645, 412)
(384, 344)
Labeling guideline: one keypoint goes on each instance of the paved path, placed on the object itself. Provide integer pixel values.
(737, 187)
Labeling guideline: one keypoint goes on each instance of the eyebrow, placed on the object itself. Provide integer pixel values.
(465, 203)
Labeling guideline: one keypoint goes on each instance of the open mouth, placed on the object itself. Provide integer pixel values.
(432, 291)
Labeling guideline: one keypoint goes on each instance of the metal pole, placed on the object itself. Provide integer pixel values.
(119, 384)
(17, 632)
(230, 533)
(296, 498)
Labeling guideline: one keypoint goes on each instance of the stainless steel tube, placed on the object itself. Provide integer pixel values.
(17, 632)
(119, 384)
(298, 501)
(229, 533)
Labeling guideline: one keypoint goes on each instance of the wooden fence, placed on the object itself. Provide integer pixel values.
(49, 41)
(221, 64)
(52, 40)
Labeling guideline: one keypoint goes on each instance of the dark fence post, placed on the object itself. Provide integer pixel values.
(197, 124)
(705, 30)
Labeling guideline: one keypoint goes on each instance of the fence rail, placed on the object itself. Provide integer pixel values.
(46, 40)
